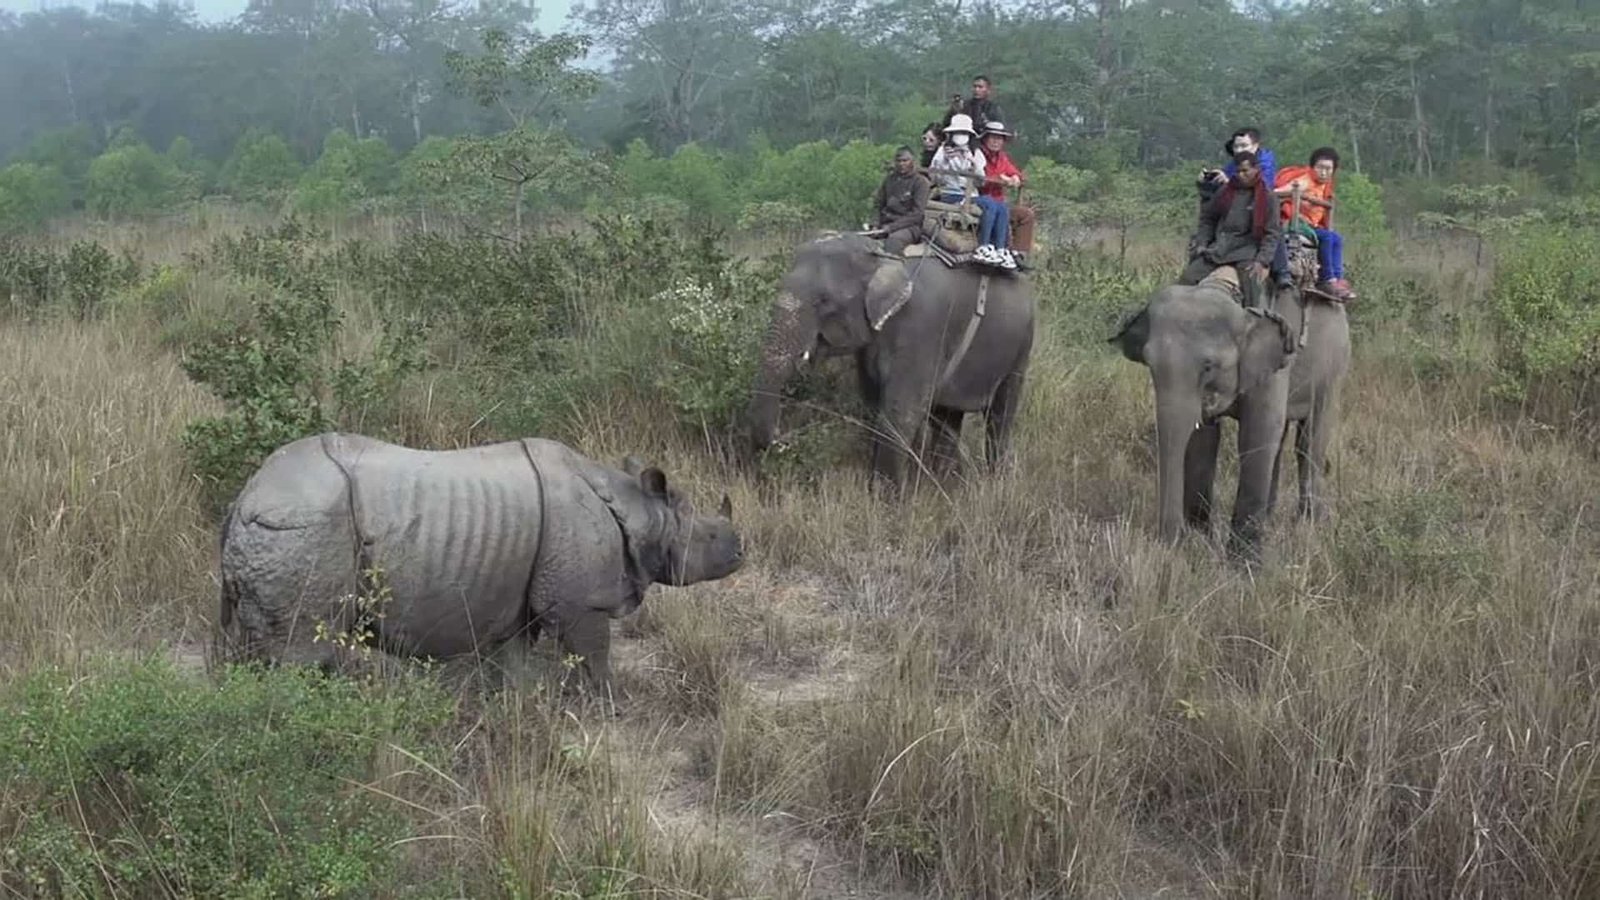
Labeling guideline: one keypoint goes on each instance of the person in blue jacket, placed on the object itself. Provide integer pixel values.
(1248, 140)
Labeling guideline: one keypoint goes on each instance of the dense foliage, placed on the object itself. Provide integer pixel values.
(331, 104)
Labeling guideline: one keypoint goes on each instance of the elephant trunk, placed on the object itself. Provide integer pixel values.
(1177, 414)
(790, 339)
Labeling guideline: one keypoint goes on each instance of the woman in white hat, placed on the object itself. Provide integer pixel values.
(960, 154)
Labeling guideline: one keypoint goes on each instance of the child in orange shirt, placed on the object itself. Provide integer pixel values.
(1316, 182)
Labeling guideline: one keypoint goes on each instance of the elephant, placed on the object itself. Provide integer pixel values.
(906, 320)
(1210, 357)
(463, 549)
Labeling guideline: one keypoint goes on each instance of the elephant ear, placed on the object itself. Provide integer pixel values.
(1133, 334)
(1266, 348)
(888, 290)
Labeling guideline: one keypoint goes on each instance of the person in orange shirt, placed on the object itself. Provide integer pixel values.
(1316, 182)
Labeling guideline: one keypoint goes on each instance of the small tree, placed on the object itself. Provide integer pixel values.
(1482, 211)
(525, 77)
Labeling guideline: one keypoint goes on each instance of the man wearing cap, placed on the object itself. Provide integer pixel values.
(1001, 173)
(901, 200)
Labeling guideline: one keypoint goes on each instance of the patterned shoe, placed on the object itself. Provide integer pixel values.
(1338, 289)
(1006, 260)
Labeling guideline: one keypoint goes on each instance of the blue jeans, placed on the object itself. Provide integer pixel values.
(995, 225)
(1330, 253)
(1280, 260)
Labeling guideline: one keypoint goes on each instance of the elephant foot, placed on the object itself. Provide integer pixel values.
(1244, 548)
(1313, 510)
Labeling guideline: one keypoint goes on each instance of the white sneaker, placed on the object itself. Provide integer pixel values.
(985, 254)
(1007, 261)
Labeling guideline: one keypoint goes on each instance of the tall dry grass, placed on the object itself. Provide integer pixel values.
(1003, 688)
(102, 542)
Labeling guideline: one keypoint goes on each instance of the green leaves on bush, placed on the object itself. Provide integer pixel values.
(279, 375)
(1546, 304)
(161, 783)
(76, 281)
(31, 194)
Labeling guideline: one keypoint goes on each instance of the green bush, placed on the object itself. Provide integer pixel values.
(131, 179)
(279, 375)
(76, 281)
(1546, 306)
(140, 780)
(31, 194)
(262, 168)
(347, 172)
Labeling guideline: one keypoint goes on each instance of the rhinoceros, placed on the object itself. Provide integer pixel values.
(461, 549)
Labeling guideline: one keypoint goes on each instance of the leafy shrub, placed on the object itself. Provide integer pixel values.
(30, 194)
(141, 780)
(278, 375)
(771, 217)
(708, 374)
(131, 179)
(1546, 306)
(347, 171)
(262, 167)
(77, 280)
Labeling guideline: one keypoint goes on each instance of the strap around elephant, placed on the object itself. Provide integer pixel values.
(972, 329)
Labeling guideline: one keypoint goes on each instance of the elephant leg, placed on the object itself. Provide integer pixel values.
(944, 426)
(898, 433)
(1277, 467)
(1199, 474)
(1311, 446)
(1261, 428)
(1000, 417)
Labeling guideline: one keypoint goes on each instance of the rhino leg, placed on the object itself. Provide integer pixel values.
(586, 633)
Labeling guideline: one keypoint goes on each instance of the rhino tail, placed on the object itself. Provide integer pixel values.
(229, 593)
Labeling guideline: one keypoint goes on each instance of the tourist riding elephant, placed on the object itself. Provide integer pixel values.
(1210, 357)
(906, 321)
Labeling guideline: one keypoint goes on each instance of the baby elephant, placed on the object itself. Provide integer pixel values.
(441, 553)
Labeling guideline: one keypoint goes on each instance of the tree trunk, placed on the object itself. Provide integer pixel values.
(522, 189)
(1488, 121)
(1424, 165)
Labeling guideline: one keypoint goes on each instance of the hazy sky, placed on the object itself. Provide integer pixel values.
(552, 13)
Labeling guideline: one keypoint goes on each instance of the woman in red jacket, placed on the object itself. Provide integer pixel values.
(994, 229)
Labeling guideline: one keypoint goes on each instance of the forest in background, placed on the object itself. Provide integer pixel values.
(715, 109)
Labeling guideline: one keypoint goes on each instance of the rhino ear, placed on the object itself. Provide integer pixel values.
(726, 509)
(654, 482)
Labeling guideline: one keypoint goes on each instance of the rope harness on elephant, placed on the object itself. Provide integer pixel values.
(971, 332)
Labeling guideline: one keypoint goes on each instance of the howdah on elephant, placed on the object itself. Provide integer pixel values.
(931, 342)
(1210, 357)
(463, 549)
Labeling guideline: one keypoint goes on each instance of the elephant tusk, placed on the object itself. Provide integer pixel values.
(805, 357)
